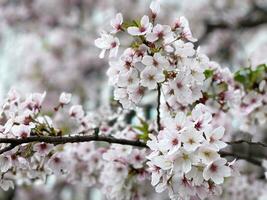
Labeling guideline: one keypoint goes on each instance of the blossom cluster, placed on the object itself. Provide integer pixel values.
(125, 173)
(159, 55)
(253, 104)
(185, 156)
(22, 118)
(115, 168)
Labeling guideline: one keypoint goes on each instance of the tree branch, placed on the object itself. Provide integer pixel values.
(247, 142)
(8, 148)
(56, 140)
(242, 157)
(255, 17)
(158, 108)
(63, 140)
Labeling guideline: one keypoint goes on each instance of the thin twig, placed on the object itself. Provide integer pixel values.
(158, 108)
(242, 157)
(247, 142)
(8, 148)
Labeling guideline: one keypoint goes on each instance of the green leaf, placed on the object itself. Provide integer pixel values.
(143, 128)
(128, 24)
(250, 78)
(208, 73)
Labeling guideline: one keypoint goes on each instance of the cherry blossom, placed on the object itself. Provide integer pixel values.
(145, 27)
(42, 148)
(107, 42)
(216, 171)
(117, 23)
(150, 76)
(178, 137)
(22, 131)
(155, 8)
(76, 111)
(65, 98)
(160, 32)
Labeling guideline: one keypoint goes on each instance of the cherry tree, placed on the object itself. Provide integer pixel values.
(189, 150)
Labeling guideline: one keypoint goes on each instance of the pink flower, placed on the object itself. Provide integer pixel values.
(21, 131)
(117, 23)
(43, 148)
(216, 171)
(155, 8)
(160, 32)
(107, 42)
(65, 98)
(150, 76)
(145, 27)
(57, 164)
(76, 111)
(214, 137)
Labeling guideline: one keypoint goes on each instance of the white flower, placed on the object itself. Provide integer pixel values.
(150, 76)
(5, 163)
(153, 143)
(21, 130)
(158, 61)
(34, 101)
(43, 148)
(45, 120)
(196, 174)
(207, 154)
(113, 72)
(57, 164)
(214, 137)
(38, 98)
(107, 42)
(180, 86)
(65, 98)
(182, 23)
(179, 123)
(201, 117)
(122, 96)
(182, 187)
(216, 171)
(136, 93)
(191, 139)
(157, 173)
(183, 162)
(76, 111)
(155, 8)
(13, 95)
(117, 23)
(171, 141)
(137, 158)
(163, 162)
(129, 79)
(184, 50)
(6, 184)
(160, 32)
(145, 27)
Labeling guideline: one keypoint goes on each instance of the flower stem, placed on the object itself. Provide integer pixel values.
(158, 108)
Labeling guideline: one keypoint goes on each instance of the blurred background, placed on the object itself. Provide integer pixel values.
(48, 45)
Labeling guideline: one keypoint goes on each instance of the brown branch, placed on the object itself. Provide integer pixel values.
(255, 17)
(247, 142)
(158, 108)
(242, 157)
(56, 140)
(7, 148)
(68, 139)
